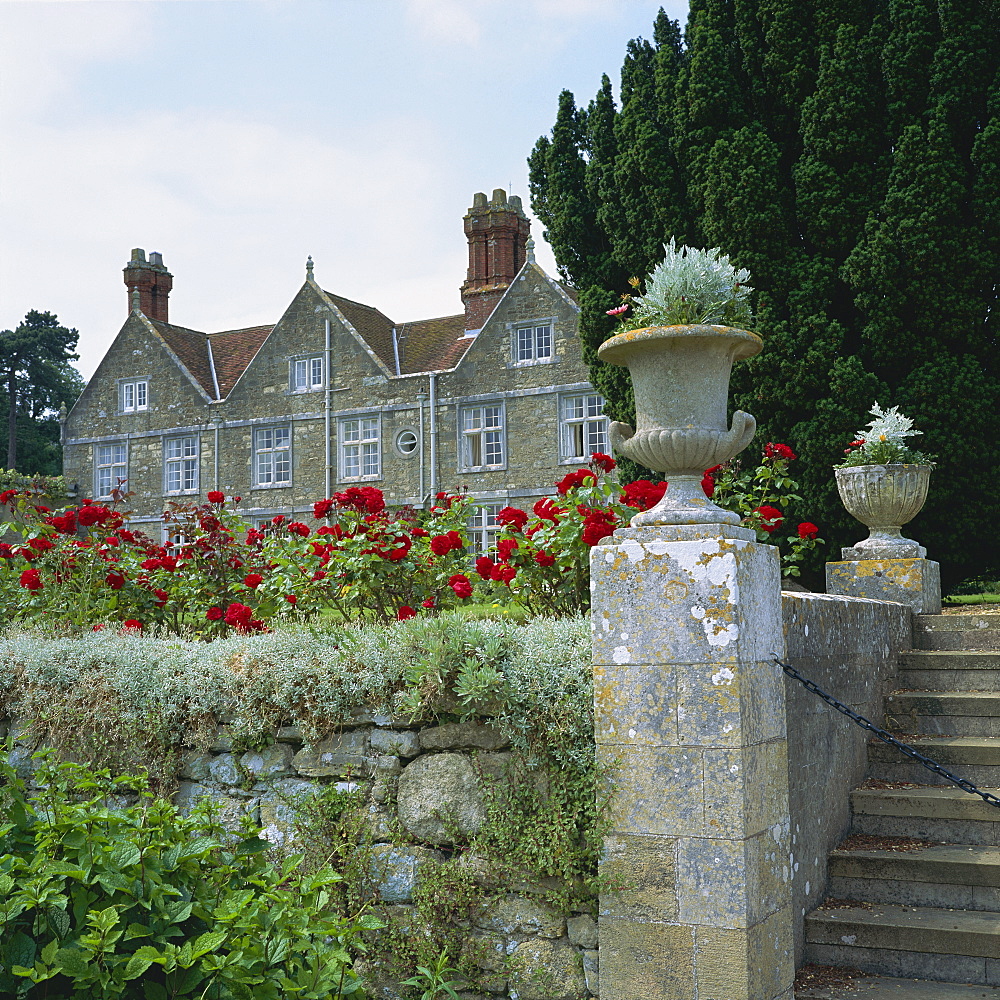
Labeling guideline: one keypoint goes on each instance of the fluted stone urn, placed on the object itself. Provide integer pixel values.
(884, 498)
(680, 375)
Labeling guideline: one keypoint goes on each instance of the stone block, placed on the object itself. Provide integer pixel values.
(655, 790)
(640, 960)
(395, 742)
(916, 582)
(513, 916)
(280, 806)
(274, 761)
(439, 795)
(636, 703)
(591, 971)
(746, 789)
(582, 931)
(462, 736)
(222, 770)
(548, 970)
(397, 869)
(691, 601)
(641, 879)
(337, 757)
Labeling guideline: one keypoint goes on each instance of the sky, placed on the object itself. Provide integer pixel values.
(236, 137)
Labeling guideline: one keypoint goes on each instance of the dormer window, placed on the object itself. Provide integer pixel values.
(134, 396)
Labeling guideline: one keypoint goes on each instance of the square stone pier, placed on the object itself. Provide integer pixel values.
(690, 727)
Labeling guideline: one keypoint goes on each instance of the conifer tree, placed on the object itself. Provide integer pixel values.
(847, 152)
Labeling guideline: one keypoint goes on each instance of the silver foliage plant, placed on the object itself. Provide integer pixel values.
(693, 286)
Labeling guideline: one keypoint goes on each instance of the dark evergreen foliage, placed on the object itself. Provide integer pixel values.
(848, 154)
(36, 378)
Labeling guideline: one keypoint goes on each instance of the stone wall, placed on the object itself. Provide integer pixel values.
(849, 647)
(423, 790)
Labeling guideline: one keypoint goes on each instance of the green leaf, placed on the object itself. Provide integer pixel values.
(72, 961)
(137, 965)
(124, 856)
(208, 941)
(20, 950)
(252, 845)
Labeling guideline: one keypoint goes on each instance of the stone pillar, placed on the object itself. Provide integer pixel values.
(913, 580)
(690, 725)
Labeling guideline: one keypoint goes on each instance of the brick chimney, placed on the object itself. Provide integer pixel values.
(497, 231)
(154, 282)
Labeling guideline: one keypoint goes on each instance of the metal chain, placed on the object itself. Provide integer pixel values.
(931, 765)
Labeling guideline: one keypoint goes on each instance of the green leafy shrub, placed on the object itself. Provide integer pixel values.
(101, 900)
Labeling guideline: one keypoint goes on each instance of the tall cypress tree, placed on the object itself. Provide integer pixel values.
(848, 153)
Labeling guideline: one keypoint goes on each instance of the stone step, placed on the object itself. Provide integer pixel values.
(962, 876)
(953, 713)
(883, 988)
(974, 758)
(949, 670)
(984, 639)
(953, 946)
(939, 813)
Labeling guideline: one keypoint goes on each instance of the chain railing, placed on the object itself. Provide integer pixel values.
(879, 733)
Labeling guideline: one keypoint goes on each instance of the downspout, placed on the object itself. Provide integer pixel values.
(395, 350)
(433, 431)
(215, 455)
(421, 396)
(327, 403)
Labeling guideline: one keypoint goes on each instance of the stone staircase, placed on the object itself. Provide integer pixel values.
(914, 911)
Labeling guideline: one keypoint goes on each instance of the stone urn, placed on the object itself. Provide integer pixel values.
(884, 498)
(680, 375)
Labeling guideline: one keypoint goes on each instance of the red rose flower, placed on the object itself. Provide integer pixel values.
(460, 584)
(546, 510)
(214, 614)
(808, 530)
(505, 547)
(238, 615)
(216, 496)
(65, 524)
(770, 517)
(298, 528)
(782, 451)
(506, 573)
(440, 545)
(322, 508)
(544, 558)
(598, 524)
(30, 580)
(572, 480)
(405, 612)
(150, 564)
(603, 462)
(484, 567)
(253, 580)
(292, 599)
(642, 494)
(513, 518)
(161, 598)
(429, 603)
(115, 581)
(402, 548)
(40, 544)
(132, 625)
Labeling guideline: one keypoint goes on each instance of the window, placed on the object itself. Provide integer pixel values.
(406, 442)
(359, 448)
(483, 528)
(272, 456)
(307, 373)
(111, 468)
(180, 464)
(533, 343)
(481, 445)
(134, 396)
(174, 539)
(583, 427)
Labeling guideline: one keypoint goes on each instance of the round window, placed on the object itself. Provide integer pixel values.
(406, 442)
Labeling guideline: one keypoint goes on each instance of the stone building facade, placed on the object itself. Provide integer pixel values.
(493, 401)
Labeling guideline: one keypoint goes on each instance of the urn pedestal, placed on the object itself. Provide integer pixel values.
(886, 566)
(689, 708)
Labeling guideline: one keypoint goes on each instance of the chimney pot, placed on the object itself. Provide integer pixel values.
(156, 259)
(149, 284)
(138, 256)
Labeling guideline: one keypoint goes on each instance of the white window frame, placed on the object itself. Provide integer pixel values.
(185, 464)
(307, 374)
(533, 343)
(133, 395)
(108, 460)
(272, 456)
(174, 539)
(583, 427)
(360, 446)
(482, 435)
(483, 527)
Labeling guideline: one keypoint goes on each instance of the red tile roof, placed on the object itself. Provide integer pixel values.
(232, 351)
(428, 345)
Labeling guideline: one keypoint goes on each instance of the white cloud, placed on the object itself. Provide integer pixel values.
(43, 46)
(449, 21)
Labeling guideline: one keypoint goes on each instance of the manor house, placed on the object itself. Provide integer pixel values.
(493, 401)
